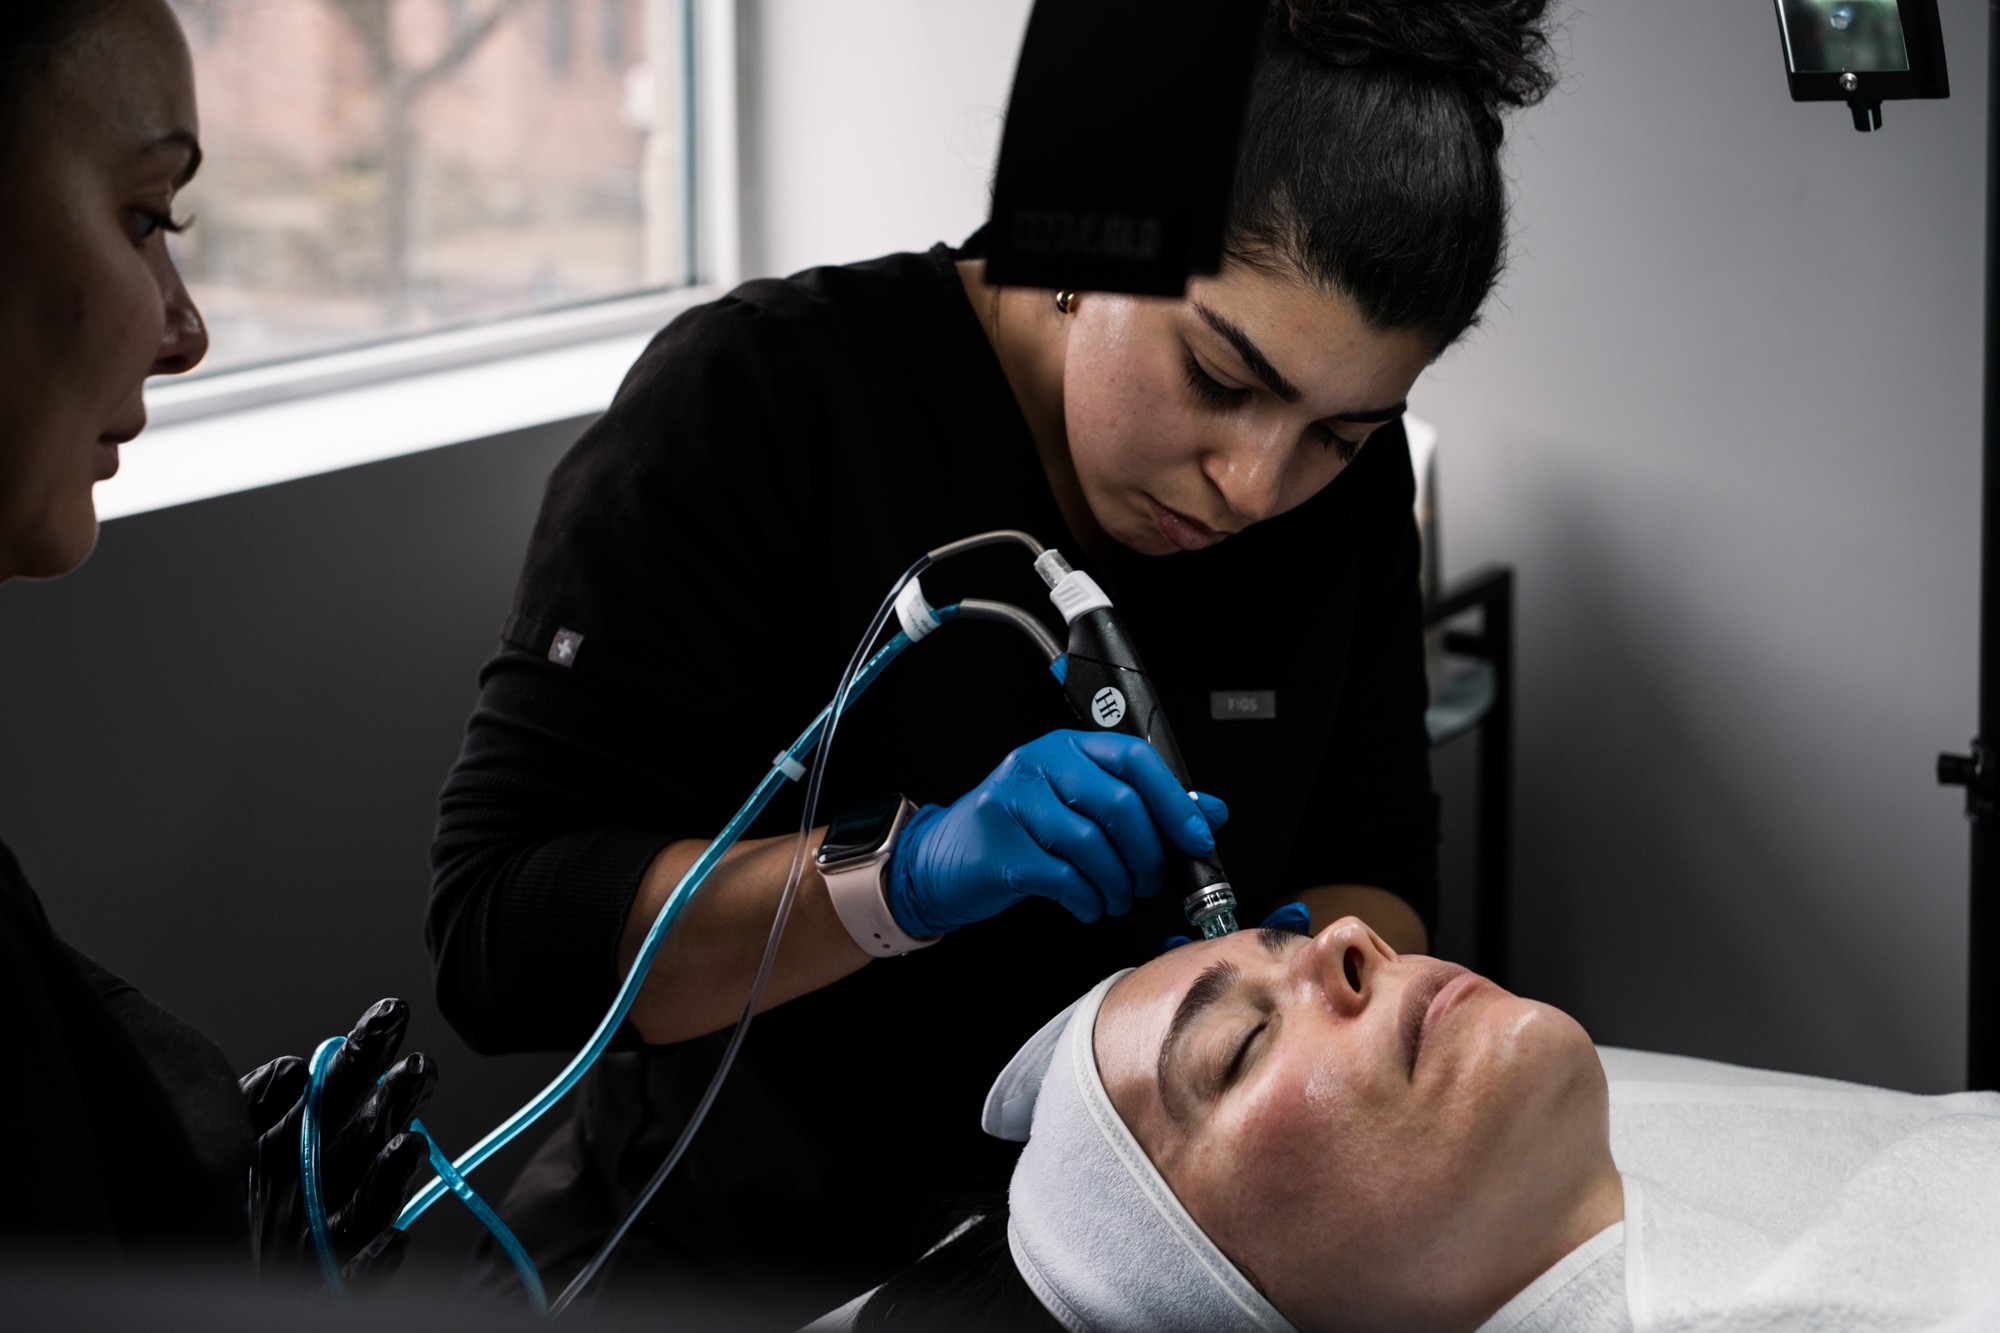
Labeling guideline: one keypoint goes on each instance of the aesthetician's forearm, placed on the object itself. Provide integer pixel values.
(702, 975)
(1384, 912)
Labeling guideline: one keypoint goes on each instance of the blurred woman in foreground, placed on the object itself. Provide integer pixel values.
(130, 1135)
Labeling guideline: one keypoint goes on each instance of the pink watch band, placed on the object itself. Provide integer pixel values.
(858, 894)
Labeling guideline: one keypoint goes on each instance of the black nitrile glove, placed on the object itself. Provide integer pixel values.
(368, 1159)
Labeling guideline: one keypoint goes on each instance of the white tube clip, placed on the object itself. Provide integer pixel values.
(1073, 591)
(787, 765)
(1076, 594)
(917, 616)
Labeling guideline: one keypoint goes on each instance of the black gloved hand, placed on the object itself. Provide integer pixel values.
(368, 1159)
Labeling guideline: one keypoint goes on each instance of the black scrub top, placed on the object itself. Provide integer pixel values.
(125, 1132)
(705, 558)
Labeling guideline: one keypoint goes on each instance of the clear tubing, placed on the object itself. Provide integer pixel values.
(502, 1134)
(311, 1139)
(854, 679)
(997, 537)
(505, 1132)
(1009, 614)
(451, 1175)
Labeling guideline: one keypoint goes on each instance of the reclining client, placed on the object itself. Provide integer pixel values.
(1276, 1131)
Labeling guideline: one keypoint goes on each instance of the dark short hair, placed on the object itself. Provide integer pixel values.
(1370, 160)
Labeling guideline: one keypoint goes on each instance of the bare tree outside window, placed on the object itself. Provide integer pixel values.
(377, 167)
(611, 33)
(562, 36)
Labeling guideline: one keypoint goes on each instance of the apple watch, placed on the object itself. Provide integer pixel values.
(853, 859)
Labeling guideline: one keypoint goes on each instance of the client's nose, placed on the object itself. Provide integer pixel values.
(1345, 959)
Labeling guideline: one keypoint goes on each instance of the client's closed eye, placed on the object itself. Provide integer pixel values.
(1198, 1062)
(1234, 1069)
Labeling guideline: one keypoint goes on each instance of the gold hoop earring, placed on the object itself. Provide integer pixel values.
(1065, 301)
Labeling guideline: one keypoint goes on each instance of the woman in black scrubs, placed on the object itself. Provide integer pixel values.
(1229, 465)
(128, 1135)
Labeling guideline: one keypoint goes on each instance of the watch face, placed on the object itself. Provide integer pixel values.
(860, 831)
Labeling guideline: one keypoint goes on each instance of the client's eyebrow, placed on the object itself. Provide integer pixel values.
(1215, 981)
(1214, 984)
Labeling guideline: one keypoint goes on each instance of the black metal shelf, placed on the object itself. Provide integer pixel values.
(1477, 694)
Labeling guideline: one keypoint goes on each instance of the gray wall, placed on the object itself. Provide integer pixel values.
(869, 126)
(1725, 421)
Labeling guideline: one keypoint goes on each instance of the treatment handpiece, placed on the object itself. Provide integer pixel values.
(1109, 689)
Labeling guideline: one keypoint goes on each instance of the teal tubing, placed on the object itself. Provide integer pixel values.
(517, 1253)
(311, 1134)
(558, 1087)
(853, 679)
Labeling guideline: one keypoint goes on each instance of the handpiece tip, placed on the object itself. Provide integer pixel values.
(1212, 910)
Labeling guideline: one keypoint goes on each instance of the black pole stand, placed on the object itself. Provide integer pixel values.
(1490, 592)
(1979, 772)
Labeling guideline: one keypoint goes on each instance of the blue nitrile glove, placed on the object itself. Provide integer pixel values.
(1078, 816)
(1295, 917)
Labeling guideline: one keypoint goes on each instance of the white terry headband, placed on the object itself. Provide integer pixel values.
(1095, 1231)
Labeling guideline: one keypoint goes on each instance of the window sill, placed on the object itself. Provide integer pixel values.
(256, 428)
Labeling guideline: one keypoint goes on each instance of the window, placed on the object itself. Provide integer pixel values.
(378, 168)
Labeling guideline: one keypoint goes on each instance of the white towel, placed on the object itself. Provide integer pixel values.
(1754, 1200)
(1766, 1201)
(1584, 1292)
